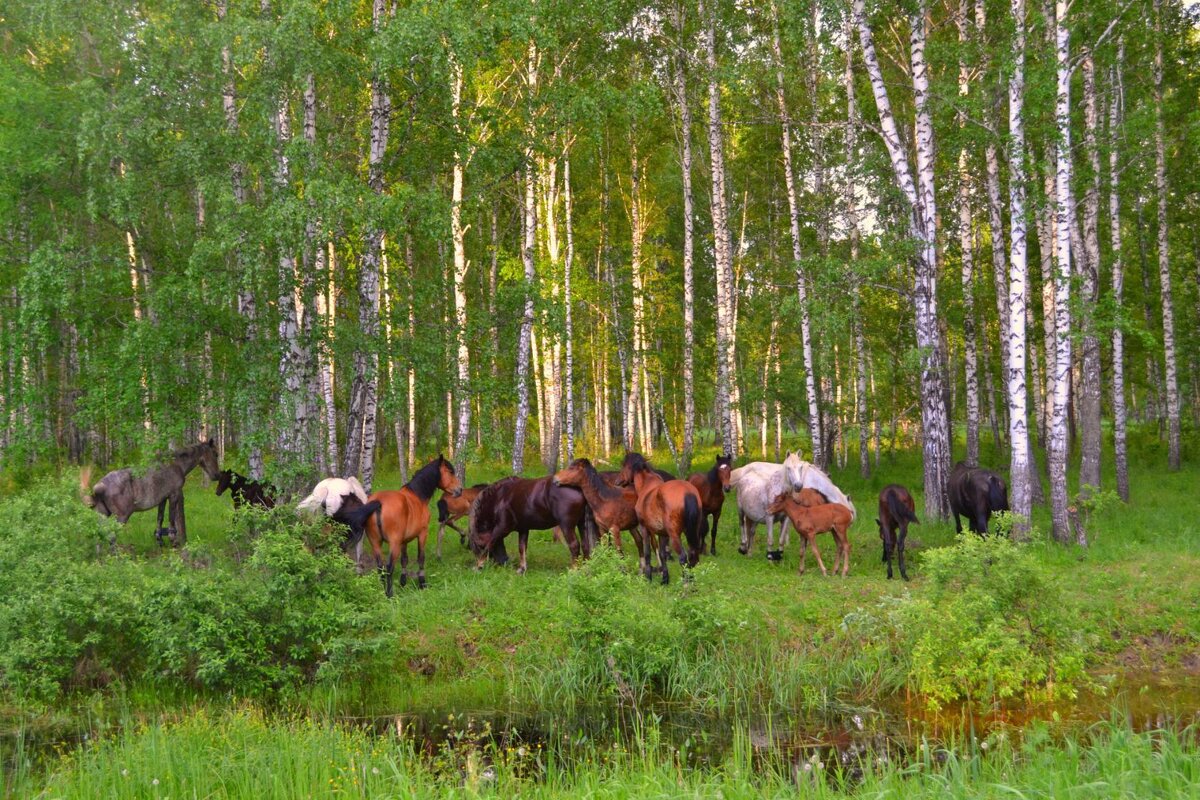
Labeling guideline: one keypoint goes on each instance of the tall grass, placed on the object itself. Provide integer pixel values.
(243, 754)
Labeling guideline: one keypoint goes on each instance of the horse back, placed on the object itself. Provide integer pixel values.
(404, 515)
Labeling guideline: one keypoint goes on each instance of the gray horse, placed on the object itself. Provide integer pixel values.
(120, 493)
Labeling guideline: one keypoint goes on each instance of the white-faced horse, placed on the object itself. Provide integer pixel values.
(760, 482)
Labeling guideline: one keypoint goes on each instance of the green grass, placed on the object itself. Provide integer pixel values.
(245, 754)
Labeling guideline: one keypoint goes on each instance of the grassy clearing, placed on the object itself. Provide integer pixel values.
(244, 754)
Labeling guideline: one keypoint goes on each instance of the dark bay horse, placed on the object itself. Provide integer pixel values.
(975, 493)
(665, 510)
(896, 510)
(452, 508)
(612, 507)
(404, 516)
(524, 505)
(245, 491)
(120, 493)
(713, 486)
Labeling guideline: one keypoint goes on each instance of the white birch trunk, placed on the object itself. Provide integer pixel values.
(569, 302)
(1021, 469)
(722, 245)
(1116, 98)
(458, 235)
(1062, 283)
(1090, 380)
(789, 177)
(689, 247)
(967, 250)
(923, 224)
(1164, 253)
(529, 227)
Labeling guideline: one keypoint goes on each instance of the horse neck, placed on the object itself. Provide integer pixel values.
(646, 480)
(187, 460)
(423, 486)
(594, 486)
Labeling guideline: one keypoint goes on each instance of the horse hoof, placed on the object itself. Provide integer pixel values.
(403, 581)
(421, 582)
(743, 550)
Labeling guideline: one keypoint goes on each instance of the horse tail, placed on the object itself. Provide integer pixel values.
(898, 510)
(357, 520)
(315, 499)
(692, 520)
(443, 510)
(997, 494)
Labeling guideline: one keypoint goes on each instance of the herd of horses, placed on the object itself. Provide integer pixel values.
(667, 517)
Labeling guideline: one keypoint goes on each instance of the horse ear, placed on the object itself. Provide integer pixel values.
(212, 442)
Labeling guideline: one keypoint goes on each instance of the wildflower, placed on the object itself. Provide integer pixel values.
(125, 773)
(154, 782)
(858, 723)
(983, 745)
(374, 770)
(808, 767)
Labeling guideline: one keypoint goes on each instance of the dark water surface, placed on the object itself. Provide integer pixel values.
(845, 736)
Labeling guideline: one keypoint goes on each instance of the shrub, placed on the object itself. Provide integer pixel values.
(292, 612)
(994, 624)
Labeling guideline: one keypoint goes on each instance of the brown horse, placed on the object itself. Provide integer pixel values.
(612, 507)
(405, 516)
(896, 510)
(120, 493)
(811, 520)
(452, 508)
(665, 509)
(524, 505)
(713, 486)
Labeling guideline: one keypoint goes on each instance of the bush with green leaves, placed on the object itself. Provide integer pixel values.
(73, 615)
(994, 624)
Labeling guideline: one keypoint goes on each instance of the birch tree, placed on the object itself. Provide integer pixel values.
(919, 195)
(1120, 446)
(1164, 252)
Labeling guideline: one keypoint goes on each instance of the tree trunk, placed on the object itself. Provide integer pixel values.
(529, 227)
(923, 226)
(1164, 253)
(722, 245)
(637, 387)
(1090, 380)
(569, 301)
(689, 213)
(1116, 99)
(1062, 283)
(860, 350)
(806, 347)
(967, 250)
(1021, 467)
(458, 234)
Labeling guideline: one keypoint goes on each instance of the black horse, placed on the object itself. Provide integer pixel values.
(244, 491)
(896, 510)
(976, 493)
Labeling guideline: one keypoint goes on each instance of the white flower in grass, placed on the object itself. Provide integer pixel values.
(154, 782)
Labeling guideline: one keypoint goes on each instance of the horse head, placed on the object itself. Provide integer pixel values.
(448, 482)
(208, 459)
(224, 479)
(633, 464)
(724, 470)
(793, 469)
(573, 474)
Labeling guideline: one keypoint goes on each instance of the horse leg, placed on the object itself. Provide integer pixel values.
(644, 551)
(616, 537)
(389, 572)
(158, 529)
(441, 530)
(181, 535)
(421, 537)
(889, 537)
(716, 517)
(803, 553)
(817, 553)
(784, 535)
(522, 545)
(744, 545)
(844, 550)
(957, 523)
(663, 557)
(404, 565)
(900, 551)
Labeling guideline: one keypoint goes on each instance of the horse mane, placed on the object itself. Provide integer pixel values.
(601, 486)
(425, 481)
(483, 510)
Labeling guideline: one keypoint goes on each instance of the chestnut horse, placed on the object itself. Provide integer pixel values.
(405, 516)
(664, 509)
(811, 520)
(451, 508)
(524, 505)
(713, 486)
(896, 510)
(612, 507)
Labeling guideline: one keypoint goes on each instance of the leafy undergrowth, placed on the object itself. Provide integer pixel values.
(266, 606)
(246, 754)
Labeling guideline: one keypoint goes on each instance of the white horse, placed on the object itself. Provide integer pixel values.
(760, 482)
(329, 494)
